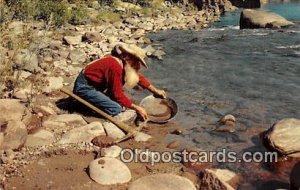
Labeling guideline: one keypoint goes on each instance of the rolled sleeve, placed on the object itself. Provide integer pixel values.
(143, 81)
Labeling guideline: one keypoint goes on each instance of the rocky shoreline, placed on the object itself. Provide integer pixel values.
(39, 128)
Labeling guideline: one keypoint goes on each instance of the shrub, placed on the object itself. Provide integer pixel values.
(54, 11)
(108, 16)
(20, 9)
(78, 15)
(105, 2)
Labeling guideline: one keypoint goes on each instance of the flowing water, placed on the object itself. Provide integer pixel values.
(251, 74)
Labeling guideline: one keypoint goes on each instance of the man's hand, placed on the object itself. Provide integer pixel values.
(160, 94)
(140, 111)
(157, 92)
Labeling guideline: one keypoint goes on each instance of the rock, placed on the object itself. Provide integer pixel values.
(61, 121)
(1, 138)
(47, 110)
(83, 134)
(294, 177)
(127, 6)
(261, 19)
(190, 175)
(112, 152)
(95, 5)
(92, 37)
(55, 83)
(62, 64)
(27, 60)
(216, 180)
(176, 132)
(139, 32)
(23, 75)
(16, 27)
(11, 109)
(226, 118)
(142, 137)
(55, 45)
(7, 156)
(22, 94)
(40, 138)
(103, 141)
(72, 40)
(111, 40)
(284, 136)
(113, 131)
(158, 54)
(228, 127)
(77, 56)
(15, 135)
(109, 171)
(126, 116)
(48, 59)
(149, 50)
(173, 144)
(146, 26)
(162, 182)
(228, 7)
(63, 54)
(227, 124)
(226, 175)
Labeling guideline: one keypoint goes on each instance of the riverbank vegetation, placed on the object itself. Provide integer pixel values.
(75, 12)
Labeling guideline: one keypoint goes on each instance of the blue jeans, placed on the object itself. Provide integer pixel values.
(87, 92)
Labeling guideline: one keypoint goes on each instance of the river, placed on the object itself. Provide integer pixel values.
(251, 74)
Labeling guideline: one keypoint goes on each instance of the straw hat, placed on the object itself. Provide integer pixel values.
(133, 50)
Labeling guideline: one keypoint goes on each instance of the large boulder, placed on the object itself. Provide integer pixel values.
(11, 109)
(15, 135)
(83, 134)
(162, 181)
(113, 131)
(109, 171)
(64, 120)
(262, 19)
(284, 137)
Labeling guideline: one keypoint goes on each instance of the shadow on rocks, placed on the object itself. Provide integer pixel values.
(72, 106)
(273, 184)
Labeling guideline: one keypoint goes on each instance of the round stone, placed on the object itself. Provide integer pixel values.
(162, 182)
(109, 171)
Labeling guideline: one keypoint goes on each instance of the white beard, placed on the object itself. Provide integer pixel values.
(131, 77)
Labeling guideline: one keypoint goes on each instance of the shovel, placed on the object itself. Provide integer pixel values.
(131, 132)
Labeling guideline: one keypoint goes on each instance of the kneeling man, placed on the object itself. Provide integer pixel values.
(101, 82)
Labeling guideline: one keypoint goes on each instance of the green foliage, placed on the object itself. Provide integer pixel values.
(54, 11)
(105, 2)
(78, 15)
(108, 16)
(20, 9)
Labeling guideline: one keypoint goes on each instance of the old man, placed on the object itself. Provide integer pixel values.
(102, 82)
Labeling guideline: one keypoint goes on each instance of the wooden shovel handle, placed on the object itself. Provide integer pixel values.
(118, 123)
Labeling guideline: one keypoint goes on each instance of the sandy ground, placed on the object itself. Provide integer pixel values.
(69, 169)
